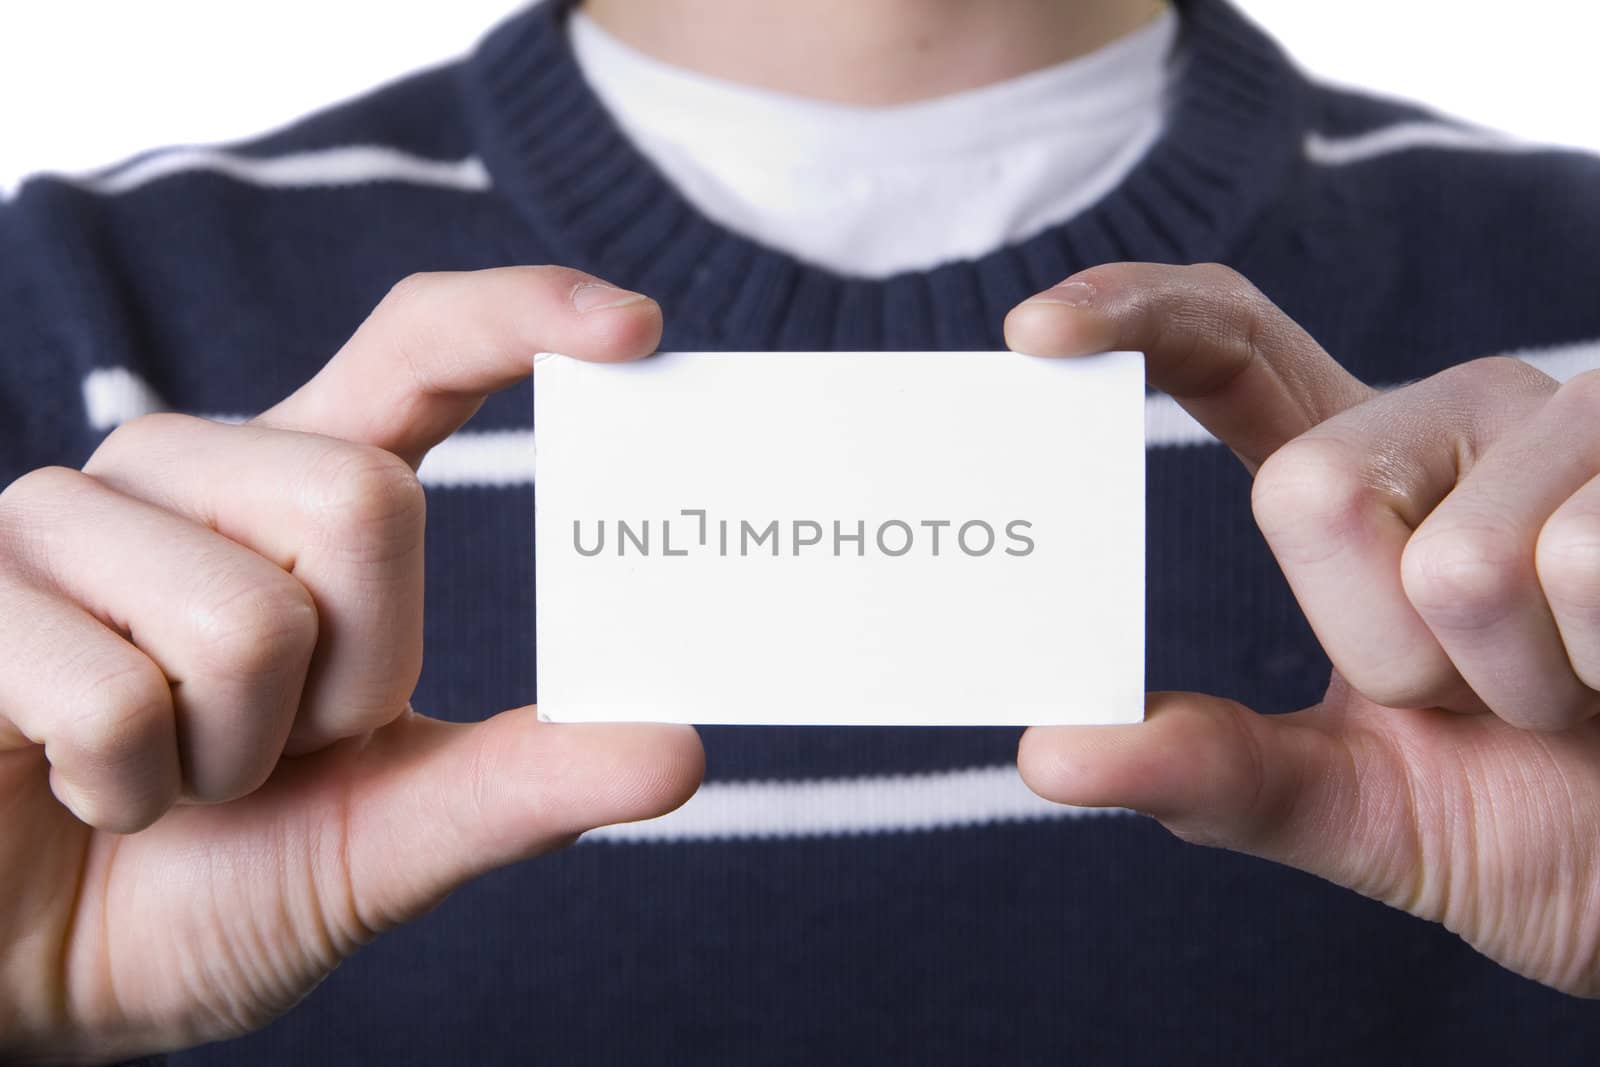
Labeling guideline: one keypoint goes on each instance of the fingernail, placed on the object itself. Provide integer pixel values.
(598, 296)
(1072, 294)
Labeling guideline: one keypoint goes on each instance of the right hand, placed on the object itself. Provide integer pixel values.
(212, 785)
(1441, 541)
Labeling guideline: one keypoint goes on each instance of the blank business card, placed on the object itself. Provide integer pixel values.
(916, 538)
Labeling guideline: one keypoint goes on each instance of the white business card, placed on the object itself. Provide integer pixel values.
(916, 538)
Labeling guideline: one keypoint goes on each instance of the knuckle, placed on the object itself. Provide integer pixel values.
(118, 716)
(1221, 278)
(1424, 681)
(139, 436)
(110, 809)
(1240, 306)
(1309, 493)
(405, 317)
(25, 509)
(43, 484)
(1568, 561)
(1497, 376)
(1464, 576)
(410, 290)
(1214, 323)
(1497, 369)
(366, 498)
(259, 630)
(1582, 390)
(235, 780)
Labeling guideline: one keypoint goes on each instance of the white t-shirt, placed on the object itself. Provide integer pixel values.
(872, 191)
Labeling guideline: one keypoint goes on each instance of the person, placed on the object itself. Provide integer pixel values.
(215, 787)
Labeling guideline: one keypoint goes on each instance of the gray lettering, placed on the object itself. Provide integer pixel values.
(641, 540)
(859, 537)
(746, 532)
(701, 512)
(934, 525)
(807, 542)
(894, 537)
(884, 548)
(600, 541)
(988, 531)
(666, 540)
(1020, 538)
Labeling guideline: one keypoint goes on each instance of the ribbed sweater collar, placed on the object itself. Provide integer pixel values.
(1233, 129)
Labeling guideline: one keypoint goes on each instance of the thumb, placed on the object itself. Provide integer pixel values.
(1289, 788)
(423, 361)
(436, 804)
(1245, 370)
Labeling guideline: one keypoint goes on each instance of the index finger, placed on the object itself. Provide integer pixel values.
(437, 344)
(1245, 370)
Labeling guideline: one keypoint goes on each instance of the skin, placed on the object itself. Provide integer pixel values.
(213, 786)
(869, 52)
(1444, 542)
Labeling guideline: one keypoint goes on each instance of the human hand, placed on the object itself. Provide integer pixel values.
(1444, 543)
(203, 599)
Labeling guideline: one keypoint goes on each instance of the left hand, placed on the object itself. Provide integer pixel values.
(1444, 542)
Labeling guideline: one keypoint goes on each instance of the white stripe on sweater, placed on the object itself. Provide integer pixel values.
(1407, 136)
(358, 164)
(879, 804)
(729, 811)
(345, 165)
(115, 395)
(743, 810)
(504, 458)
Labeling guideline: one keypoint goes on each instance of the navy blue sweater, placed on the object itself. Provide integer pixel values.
(834, 895)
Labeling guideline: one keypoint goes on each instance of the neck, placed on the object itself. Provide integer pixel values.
(869, 52)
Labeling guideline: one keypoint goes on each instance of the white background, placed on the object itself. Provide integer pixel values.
(85, 82)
